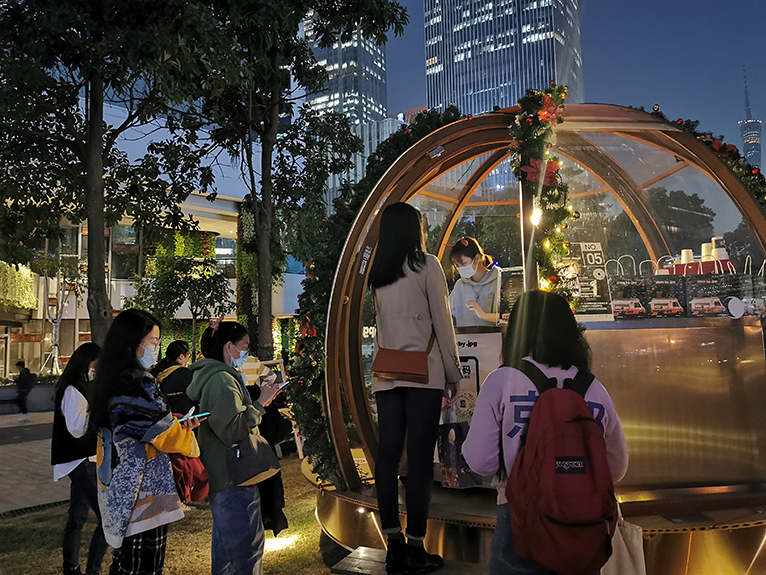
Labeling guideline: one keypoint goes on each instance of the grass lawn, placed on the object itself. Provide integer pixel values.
(31, 544)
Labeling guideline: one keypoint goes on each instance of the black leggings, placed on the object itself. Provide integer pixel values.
(412, 413)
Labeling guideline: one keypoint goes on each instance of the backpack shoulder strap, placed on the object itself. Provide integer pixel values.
(580, 383)
(541, 381)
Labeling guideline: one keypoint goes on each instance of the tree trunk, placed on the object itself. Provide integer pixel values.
(264, 212)
(99, 306)
(194, 338)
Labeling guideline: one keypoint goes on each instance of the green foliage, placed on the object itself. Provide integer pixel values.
(142, 58)
(182, 280)
(538, 171)
(307, 378)
(17, 286)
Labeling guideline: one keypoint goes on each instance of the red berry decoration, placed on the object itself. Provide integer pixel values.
(756, 171)
(679, 121)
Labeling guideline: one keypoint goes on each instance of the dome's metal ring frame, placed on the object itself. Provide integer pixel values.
(463, 141)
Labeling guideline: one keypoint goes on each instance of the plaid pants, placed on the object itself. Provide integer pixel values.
(141, 554)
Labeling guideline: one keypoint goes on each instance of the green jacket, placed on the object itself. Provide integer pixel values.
(219, 389)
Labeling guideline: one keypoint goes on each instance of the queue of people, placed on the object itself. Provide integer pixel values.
(117, 425)
(127, 418)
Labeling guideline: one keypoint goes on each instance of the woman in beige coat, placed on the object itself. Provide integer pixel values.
(412, 303)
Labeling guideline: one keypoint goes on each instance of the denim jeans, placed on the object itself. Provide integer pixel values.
(83, 497)
(238, 535)
(503, 559)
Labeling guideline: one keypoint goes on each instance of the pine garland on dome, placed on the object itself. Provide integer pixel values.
(307, 378)
(749, 176)
(537, 169)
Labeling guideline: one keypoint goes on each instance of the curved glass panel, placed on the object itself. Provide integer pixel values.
(448, 186)
(499, 186)
(640, 161)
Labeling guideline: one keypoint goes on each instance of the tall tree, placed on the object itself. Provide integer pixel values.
(180, 280)
(61, 63)
(267, 61)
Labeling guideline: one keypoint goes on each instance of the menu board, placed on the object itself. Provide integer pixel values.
(594, 302)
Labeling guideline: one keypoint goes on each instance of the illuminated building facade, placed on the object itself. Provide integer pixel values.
(482, 54)
(357, 83)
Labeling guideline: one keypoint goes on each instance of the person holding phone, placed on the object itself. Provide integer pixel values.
(136, 433)
(73, 451)
(238, 533)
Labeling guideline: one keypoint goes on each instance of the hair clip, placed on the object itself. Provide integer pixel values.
(216, 324)
(464, 242)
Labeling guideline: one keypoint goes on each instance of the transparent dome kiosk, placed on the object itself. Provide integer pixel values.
(690, 388)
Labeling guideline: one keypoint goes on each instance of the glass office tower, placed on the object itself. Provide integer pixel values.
(484, 53)
(357, 83)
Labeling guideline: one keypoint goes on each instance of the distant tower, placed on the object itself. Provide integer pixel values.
(750, 130)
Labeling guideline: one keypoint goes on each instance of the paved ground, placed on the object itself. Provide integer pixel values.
(26, 474)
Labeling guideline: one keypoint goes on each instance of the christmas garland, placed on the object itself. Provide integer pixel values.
(749, 176)
(538, 171)
(307, 377)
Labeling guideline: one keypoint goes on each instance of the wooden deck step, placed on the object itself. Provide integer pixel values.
(369, 561)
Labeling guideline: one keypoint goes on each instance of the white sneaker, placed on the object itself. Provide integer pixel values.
(24, 418)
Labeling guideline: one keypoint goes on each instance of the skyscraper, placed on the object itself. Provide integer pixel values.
(357, 84)
(485, 54)
(750, 130)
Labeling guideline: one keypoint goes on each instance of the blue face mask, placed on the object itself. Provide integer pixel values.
(237, 362)
(151, 353)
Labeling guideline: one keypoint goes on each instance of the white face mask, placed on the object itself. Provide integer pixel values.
(91, 373)
(151, 353)
(466, 271)
(237, 362)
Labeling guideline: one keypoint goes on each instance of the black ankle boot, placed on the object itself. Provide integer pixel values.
(396, 556)
(419, 561)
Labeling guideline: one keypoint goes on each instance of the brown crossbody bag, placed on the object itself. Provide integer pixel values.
(399, 364)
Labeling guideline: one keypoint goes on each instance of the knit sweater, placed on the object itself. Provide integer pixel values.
(136, 487)
(219, 389)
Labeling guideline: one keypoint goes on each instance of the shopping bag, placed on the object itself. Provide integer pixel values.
(627, 550)
(452, 433)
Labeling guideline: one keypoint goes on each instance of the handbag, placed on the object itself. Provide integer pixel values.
(400, 364)
(627, 549)
(251, 461)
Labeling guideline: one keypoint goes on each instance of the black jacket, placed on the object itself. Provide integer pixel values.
(173, 383)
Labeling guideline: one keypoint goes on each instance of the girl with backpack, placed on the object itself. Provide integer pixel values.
(543, 337)
(412, 316)
(136, 433)
(72, 448)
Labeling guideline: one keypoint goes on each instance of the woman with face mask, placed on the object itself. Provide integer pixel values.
(175, 377)
(72, 449)
(475, 299)
(137, 493)
(238, 534)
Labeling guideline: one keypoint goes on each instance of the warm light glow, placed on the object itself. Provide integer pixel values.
(545, 285)
(547, 244)
(536, 216)
(278, 543)
(360, 510)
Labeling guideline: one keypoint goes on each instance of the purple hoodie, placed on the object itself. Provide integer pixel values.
(502, 412)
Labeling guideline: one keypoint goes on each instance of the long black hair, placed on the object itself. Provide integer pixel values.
(543, 327)
(122, 342)
(174, 350)
(401, 241)
(76, 370)
(213, 340)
